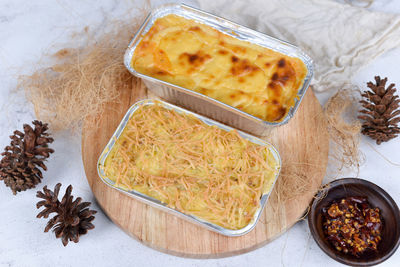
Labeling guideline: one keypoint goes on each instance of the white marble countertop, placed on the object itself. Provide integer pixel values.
(29, 29)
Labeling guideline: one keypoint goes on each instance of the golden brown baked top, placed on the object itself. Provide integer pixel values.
(252, 78)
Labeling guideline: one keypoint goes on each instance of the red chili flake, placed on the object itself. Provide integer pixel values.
(352, 226)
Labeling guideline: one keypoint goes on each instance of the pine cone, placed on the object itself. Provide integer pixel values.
(19, 167)
(73, 218)
(381, 109)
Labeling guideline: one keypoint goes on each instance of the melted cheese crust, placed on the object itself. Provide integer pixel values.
(192, 167)
(252, 78)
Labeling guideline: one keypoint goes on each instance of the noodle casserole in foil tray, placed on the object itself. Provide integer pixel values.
(218, 68)
(271, 160)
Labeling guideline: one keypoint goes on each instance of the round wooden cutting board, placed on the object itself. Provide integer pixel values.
(301, 140)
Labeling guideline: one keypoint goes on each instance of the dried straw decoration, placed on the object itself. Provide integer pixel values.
(82, 80)
(344, 131)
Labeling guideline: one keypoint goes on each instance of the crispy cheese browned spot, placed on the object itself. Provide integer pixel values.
(241, 67)
(222, 52)
(194, 61)
(281, 63)
(195, 28)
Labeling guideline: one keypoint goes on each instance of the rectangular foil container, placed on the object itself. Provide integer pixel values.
(206, 105)
(158, 204)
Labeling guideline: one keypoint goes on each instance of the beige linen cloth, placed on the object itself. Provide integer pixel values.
(340, 38)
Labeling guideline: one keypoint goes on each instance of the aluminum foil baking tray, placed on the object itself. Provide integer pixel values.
(203, 104)
(158, 204)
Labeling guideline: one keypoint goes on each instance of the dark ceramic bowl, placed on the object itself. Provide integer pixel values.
(377, 197)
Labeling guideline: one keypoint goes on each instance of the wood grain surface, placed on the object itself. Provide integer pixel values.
(303, 140)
